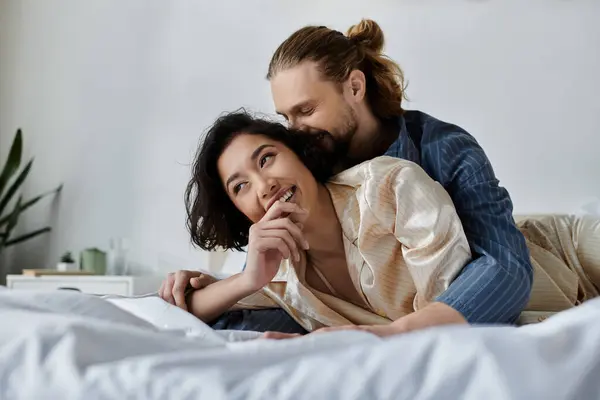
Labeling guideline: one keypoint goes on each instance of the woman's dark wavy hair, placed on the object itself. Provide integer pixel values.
(212, 219)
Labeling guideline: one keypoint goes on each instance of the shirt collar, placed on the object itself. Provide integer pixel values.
(404, 147)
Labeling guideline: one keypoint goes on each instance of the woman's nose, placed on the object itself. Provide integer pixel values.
(268, 189)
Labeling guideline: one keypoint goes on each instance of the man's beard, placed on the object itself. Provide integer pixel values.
(340, 143)
(338, 146)
(336, 149)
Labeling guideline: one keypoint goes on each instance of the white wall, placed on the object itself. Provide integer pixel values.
(113, 96)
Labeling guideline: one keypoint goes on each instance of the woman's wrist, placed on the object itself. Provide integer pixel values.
(249, 283)
(213, 300)
(435, 314)
(244, 284)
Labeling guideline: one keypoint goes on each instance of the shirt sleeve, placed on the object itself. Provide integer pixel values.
(420, 213)
(496, 285)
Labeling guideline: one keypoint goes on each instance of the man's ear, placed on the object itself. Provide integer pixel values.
(358, 85)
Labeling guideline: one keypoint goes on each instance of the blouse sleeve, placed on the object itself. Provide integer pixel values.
(422, 217)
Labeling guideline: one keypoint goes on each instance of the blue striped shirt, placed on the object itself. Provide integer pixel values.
(495, 286)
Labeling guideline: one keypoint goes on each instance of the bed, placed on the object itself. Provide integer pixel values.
(70, 345)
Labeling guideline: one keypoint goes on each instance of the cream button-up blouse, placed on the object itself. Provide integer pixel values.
(404, 245)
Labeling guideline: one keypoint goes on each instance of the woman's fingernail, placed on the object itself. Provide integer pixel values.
(306, 246)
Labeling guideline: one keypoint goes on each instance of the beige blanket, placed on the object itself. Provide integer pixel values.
(565, 253)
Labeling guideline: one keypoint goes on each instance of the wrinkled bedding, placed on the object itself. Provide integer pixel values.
(70, 345)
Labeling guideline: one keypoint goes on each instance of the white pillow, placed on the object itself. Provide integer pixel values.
(69, 303)
(164, 315)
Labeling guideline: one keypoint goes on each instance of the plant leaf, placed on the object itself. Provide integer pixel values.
(12, 221)
(14, 160)
(31, 202)
(27, 236)
(15, 186)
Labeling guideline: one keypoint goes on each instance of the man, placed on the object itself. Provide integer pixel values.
(323, 80)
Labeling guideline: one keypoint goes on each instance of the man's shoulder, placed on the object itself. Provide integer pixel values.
(434, 131)
(446, 150)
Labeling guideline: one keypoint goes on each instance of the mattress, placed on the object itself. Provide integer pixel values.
(71, 345)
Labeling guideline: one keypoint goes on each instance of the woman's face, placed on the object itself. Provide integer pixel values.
(257, 171)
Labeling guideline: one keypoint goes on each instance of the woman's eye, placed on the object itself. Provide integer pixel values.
(238, 187)
(264, 159)
(307, 111)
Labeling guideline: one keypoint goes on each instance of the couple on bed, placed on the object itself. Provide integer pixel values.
(360, 215)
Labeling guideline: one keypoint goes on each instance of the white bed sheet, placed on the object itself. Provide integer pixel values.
(67, 345)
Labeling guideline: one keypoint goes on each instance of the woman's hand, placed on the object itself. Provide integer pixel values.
(435, 314)
(173, 288)
(276, 236)
(379, 330)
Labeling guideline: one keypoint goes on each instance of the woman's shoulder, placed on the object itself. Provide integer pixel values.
(375, 169)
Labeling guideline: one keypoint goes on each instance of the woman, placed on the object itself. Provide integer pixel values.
(369, 247)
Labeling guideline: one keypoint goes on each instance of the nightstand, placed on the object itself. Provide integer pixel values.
(93, 284)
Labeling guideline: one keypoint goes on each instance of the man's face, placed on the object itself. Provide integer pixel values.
(310, 103)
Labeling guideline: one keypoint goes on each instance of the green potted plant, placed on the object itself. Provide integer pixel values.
(67, 263)
(11, 180)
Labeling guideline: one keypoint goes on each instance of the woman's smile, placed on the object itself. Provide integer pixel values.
(287, 195)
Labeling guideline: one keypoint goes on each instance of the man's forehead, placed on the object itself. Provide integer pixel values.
(305, 72)
(297, 85)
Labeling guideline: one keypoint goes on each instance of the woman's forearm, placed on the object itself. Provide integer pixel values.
(435, 314)
(210, 302)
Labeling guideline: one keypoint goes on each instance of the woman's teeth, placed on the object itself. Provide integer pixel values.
(287, 195)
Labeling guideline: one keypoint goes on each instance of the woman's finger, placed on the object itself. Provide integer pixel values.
(196, 283)
(161, 290)
(298, 217)
(379, 330)
(289, 226)
(338, 328)
(286, 237)
(284, 209)
(182, 279)
(273, 243)
(168, 289)
(202, 281)
(279, 335)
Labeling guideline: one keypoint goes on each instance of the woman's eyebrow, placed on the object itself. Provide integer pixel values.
(254, 156)
(260, 148)
(232, 178)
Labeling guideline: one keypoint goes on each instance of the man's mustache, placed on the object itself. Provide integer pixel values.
(330, 144)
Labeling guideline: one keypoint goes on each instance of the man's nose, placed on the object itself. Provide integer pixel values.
(298, 125)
